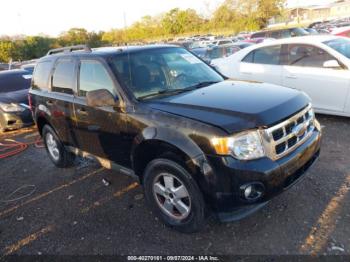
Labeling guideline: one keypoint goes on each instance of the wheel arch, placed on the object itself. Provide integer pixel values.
(154, 143)
(41, 121)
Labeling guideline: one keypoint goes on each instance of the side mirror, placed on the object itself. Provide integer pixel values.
(331, 64)
(100, 98)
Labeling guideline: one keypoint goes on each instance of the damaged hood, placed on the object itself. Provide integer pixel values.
(235, 105)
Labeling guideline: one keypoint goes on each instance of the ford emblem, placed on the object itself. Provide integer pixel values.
(299, 130)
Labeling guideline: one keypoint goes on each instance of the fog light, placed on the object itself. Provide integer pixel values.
(252, 191)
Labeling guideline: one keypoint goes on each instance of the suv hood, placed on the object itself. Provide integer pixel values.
(235, 105)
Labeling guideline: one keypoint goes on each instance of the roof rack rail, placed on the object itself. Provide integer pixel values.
(69, 49)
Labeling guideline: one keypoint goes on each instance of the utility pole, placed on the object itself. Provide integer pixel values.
(298, 18)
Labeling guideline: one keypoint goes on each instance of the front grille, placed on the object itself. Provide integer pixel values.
(284, 137)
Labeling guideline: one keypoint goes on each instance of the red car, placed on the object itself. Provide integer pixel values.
(342, 31)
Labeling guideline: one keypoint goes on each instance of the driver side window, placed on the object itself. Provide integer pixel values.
(93, 76)
(307, 56)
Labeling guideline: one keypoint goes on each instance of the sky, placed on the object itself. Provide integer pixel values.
(52, 17)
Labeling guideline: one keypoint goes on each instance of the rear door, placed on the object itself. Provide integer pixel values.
(304, 70)
(100, 131)
(59, 101)
(262, 64)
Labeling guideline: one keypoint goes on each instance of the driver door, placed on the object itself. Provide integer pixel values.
(99, 130)
(305, 71)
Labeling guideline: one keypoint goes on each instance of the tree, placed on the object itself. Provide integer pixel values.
(268, 9)
(178, 21)
(7, 49)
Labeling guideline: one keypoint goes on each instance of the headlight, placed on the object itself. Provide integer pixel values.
(243, 146)
(11, 108)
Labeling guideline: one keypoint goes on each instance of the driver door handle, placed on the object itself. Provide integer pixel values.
(291, 76)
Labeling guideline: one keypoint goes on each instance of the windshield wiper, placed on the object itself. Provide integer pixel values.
(180, 90)
(165, 92)
(201, 84)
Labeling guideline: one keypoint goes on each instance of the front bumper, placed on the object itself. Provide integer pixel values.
(223, 191)
(16, 120)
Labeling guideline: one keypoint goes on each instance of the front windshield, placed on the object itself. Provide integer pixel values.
(161, 71)
(341, 45)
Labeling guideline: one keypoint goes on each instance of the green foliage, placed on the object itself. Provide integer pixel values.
(232, 16)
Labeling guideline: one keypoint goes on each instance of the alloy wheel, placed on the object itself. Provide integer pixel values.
(172, 196)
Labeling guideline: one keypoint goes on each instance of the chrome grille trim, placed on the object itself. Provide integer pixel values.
(287, 140)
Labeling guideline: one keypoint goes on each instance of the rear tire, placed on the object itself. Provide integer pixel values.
(55, 149)
(174, 196)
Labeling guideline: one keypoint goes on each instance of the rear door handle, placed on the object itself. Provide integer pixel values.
(291, 76)
(82, 111)
(247, 73)
(49, 103)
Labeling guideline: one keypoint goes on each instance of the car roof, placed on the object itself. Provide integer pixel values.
(310, 39)
(108, 51)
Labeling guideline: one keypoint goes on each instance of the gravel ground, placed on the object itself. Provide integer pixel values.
(71, 212)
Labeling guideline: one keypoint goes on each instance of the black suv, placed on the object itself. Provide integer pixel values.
(196, 141)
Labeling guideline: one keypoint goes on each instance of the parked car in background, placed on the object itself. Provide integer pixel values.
(341, 31)
(14, 107)
(311, 31)
(243, 44)
(220, 51)
(28, 67)
(222, 42)
(259, 40)
(317, 65)
(200, 52)
(198, 144)
(280, 33)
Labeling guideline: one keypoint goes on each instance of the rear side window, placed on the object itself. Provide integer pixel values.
(93, 76)
(41, 75)
(266, 55)
(63, 80)
(248, 58)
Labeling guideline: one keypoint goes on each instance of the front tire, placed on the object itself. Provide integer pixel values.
(55, 149)
(174, 196)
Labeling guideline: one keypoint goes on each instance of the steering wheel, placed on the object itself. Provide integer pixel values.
(183, 78)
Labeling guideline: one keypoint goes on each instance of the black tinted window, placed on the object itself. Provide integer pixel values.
(41, 75)
(307, 55)
(64, 77)
(94, 76)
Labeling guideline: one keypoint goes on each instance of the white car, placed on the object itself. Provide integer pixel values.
(317, 65)
(222, 42)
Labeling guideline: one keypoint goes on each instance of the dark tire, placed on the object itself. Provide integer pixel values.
(190, 216)
(59, 155)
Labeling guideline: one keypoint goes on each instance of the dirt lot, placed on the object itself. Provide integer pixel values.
(72, 212)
